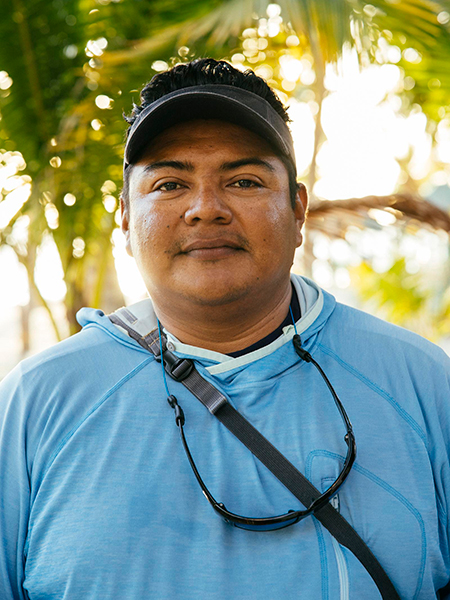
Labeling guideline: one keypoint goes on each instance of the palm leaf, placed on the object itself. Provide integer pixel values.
(334, 217)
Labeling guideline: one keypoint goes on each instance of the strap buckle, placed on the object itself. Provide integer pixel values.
(177, 368)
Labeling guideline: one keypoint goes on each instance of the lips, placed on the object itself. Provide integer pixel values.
(208, 244)
(211, 248)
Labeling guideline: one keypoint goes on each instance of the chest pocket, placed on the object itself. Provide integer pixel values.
(386, 520)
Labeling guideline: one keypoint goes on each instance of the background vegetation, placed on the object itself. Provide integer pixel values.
(70, 68)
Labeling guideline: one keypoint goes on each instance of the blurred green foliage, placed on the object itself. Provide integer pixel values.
(77, 65)
(404, 298)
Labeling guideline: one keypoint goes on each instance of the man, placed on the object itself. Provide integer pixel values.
(98, 497)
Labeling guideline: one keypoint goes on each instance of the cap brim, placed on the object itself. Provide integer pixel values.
(223, 102)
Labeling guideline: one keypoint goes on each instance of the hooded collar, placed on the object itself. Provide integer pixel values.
(315, 305)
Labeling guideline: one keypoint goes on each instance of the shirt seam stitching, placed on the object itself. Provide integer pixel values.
(72, 432)
(442, 511)
(323, 558)
(96, 406)
(393, 492)
(381, 392)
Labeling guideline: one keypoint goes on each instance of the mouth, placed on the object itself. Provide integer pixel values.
(212, 249)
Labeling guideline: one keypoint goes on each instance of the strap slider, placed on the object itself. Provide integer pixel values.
(177, 368)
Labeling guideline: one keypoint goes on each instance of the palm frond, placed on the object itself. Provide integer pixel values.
(334, 217)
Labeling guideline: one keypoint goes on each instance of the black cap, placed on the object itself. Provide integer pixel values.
(213, 101)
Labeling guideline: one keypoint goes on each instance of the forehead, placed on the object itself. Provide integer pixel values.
(209, 136)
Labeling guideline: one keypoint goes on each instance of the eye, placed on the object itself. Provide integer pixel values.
(245, 183)
(169, 186)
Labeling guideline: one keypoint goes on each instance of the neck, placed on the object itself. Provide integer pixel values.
(228, 328)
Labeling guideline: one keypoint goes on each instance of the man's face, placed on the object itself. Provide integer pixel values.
(209, 219)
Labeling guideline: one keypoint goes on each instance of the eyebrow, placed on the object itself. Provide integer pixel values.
(174, 164)
(243, 162)
(227, 166)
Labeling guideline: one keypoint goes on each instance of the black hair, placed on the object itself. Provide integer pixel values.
(205, 71)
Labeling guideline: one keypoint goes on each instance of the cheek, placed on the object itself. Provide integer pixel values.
(277, 229)
(148, 234)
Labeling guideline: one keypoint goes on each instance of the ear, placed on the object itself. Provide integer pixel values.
(300, 209)
(125, 215)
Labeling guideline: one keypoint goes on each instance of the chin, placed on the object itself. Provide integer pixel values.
(214, 295)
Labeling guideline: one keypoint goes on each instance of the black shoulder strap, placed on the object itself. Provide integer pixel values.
(182, 370)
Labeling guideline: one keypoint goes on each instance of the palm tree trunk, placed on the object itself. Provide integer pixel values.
(29, 261)
(25, 329)
(320, 93)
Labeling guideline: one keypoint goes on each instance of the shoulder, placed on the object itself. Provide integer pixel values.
(364, 335)
(45, 395)
(95, 348)
(398, 365)
(87, 362)
(394, 367)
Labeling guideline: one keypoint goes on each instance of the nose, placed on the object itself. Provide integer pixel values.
(208, 205)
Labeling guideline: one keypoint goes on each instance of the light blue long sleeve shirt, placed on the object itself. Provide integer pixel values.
(97, 499)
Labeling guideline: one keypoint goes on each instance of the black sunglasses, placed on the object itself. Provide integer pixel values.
(292, 516)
